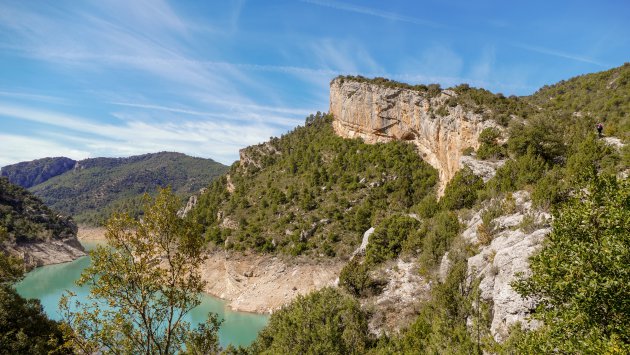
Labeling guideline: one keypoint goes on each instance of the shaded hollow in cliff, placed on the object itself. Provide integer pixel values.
(377, 112)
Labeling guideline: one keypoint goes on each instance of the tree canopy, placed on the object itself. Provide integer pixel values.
(142, 284)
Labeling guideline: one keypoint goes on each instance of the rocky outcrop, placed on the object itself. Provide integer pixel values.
(515, 238)
(486, 169)
(47, 252)
(378, 113)
(264, 283)
(192, 202)
(397, 306)
(254, 155)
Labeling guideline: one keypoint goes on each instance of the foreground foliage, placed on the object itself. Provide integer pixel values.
(324, 322)
(24, 327)
(142, 285)
(581, 277)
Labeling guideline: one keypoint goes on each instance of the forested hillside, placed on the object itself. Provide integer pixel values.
(31, 173)
(310, 192)
(94, 188)
(25, 218)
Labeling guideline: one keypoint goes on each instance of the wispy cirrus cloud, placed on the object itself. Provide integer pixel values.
(217, 139)
(374, 12)
(560, 54)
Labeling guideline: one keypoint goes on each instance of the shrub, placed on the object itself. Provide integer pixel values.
(440, 232)
(324, 322)
(461, 191)
(541, 136)
(428, 207)
(386, 241)
(355, 278)
(580, 278)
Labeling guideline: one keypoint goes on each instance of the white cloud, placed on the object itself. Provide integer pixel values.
(374, 12)
(216, 139)
(16, 148)
(560, 54)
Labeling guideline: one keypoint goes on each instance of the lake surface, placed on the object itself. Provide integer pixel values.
(48, 283)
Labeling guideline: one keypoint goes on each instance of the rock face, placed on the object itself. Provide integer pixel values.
(264, 283)
(482, 168)
(378, 113)
(32, 231)
(517, 236)
(47, 252)
(397, 306)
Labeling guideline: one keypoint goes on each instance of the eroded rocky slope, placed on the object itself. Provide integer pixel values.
(32, 231)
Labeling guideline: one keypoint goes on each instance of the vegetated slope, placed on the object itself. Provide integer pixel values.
(311, 191)
(550, 153)
(96, 187)
(25, 218)
(31, 173)
(600, 97)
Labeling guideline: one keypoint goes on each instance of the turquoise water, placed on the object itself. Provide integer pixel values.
(48, 283)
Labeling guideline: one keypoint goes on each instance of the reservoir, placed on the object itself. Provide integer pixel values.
(48, 283)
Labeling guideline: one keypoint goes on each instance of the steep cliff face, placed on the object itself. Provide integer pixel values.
(379, 113)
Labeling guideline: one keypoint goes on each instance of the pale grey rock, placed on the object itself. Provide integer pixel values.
(445, 267)
(498, 263)
(485, 169)
(192, 202)
(364, 242)
(614, 141)
(378, 113)
(396, 307)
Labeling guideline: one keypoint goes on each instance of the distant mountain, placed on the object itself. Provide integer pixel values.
(31, 173)
(91, 189)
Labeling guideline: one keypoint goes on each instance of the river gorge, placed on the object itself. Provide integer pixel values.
(48, 283)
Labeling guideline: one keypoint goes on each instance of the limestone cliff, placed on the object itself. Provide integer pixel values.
(382, 113)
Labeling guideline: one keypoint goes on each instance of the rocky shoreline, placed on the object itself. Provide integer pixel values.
(255, 283)
(47, 252)
(264, 283)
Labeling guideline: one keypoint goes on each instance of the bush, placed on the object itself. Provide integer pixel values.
(324, 322)
(355, 278)
(386, 241)
(428, 207)
(489, 146)
(461, 191)
(580, 278)
(440, 232)
(542, 136)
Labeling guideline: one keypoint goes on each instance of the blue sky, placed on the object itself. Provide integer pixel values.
(117, 78)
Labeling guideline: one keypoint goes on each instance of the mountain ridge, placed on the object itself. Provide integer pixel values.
(95, 187)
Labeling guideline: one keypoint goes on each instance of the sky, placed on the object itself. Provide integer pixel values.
(207, 78)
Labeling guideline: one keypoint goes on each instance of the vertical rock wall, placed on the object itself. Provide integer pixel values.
(378, 113)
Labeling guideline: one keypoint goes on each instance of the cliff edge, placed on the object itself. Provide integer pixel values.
(439, 127)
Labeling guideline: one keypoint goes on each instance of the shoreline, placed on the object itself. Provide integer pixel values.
(87, 233)
(250, 282)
